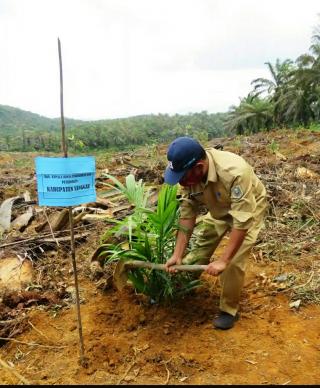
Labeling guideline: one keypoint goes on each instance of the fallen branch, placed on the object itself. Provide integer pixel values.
(130, 164)
(168, 373)
(34, 239)
(66, 238)
(126, 372)
(51, 230)
(31, 343)
(18, 375)
(303, 285)
(38, 331)
(9, 321)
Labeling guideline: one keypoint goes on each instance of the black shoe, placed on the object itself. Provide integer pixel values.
(225, 321)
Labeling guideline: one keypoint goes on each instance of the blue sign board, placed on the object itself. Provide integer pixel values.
(65, 181)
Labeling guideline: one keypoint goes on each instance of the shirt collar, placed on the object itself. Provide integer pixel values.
(212, 174)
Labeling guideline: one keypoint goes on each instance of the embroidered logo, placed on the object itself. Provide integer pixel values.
(236, 192)
(170, 165)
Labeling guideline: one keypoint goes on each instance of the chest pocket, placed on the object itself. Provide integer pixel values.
(221, 195)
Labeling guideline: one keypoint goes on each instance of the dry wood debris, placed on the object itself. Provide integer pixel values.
(41, 236)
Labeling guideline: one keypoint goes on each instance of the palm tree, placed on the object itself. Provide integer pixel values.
(280, 73)
(300, 100)
(250, 116)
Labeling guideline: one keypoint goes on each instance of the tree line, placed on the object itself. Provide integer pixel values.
(103, 134)
(290, 98)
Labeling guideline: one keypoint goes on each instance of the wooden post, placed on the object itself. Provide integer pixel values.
(63, 137)
(83, 360)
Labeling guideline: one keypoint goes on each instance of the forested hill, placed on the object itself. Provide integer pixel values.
(14, 120)
(26, 131)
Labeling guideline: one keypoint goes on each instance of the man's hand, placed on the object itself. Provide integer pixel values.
(172, 261)
(187, 225)
(235, 241)
(216, 267)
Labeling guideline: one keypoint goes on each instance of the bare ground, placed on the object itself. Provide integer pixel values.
(130, 341)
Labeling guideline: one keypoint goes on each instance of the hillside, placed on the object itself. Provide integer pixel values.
(15, 120)
(26, 131)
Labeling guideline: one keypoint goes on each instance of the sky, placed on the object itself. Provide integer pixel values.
(125, 58)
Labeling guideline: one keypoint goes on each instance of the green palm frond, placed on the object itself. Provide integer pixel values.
(135, 191)
(150, 236)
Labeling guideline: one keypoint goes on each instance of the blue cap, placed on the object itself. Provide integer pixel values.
(183, 153)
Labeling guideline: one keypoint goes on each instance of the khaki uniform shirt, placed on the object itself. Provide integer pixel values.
(232, 192)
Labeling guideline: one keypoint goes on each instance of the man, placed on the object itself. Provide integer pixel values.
(235, 199)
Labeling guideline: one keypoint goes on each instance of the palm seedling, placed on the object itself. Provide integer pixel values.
(149, 235)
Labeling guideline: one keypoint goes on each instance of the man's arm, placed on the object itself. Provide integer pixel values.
(235, 241)
(183, 237)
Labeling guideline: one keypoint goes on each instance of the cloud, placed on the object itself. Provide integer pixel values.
(124, 57)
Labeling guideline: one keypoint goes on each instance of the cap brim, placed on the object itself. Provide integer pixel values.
(172, 177)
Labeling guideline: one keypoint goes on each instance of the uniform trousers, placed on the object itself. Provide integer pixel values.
(208, 236)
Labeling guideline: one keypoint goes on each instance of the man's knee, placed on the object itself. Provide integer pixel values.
(197, 256)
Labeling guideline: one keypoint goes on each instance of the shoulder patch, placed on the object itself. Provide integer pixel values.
(236, 192)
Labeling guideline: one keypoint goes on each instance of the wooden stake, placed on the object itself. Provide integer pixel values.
(63, 139)
(83, 360)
